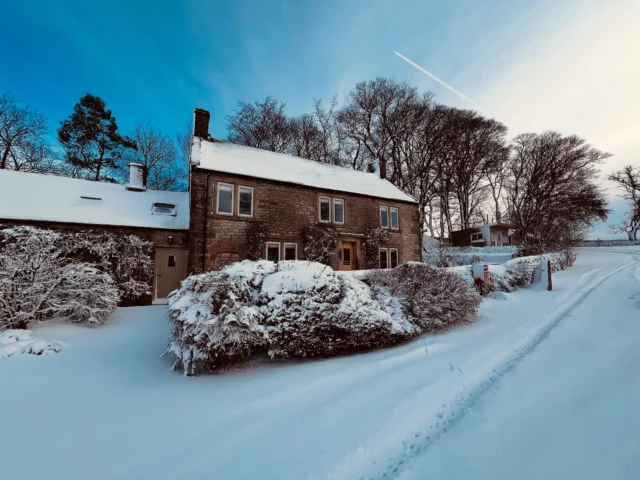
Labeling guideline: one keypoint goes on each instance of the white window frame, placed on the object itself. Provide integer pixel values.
(477, 240)
(240, 187)
(271, 244)
(384, 207)
(397, 257)
(391, 209)
(333, 203)
(320, 209)
(233, 191)
(284, 250)
(386, 250)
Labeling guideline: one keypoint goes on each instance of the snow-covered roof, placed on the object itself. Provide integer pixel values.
(253, 162)
(48, 198)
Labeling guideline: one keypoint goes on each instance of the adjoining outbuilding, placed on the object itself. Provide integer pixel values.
(71, 204)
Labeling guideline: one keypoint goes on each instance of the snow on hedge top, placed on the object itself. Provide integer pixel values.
(48, 198)
(253, 162)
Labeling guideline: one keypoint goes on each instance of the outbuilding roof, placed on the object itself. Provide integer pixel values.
(239, 160)
(49, 198)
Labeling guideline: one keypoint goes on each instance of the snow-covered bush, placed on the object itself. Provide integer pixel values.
(37, 282)
(438, 253)
(320, 243)
(215, 319)
(125, 257)
(374, 238)
(431, 298)
(290, 309)
(310, 311)
(22, 342)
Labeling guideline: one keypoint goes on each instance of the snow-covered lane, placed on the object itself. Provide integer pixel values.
(106, 407)
(570, 409)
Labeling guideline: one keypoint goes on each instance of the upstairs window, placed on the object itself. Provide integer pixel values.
(393, 257)
(245, 201)
(395, 220)
(476, 237)
(224, 205)
(384, 216)
(338, 210)
(325, 209)
(273, 251)
(164, 209)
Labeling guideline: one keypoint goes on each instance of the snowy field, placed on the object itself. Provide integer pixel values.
(543, 385)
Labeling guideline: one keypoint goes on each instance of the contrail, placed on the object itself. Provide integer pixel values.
(437, 79)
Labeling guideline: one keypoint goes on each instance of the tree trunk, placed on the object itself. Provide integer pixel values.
(5, 155)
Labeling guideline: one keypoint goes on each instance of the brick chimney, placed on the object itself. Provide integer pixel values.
(201, 123)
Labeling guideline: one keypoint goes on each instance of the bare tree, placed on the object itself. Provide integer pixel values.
(158, 154)
(628, 180)
(22, 138)
(551, 189)
(261, 125)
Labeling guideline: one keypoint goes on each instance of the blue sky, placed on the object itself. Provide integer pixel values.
(570, 65)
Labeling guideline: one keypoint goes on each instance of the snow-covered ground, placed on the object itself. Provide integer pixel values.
(546, 385)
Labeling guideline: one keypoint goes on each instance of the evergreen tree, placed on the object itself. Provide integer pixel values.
(91, 140)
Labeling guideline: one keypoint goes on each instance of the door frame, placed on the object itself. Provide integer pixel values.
(154, 297)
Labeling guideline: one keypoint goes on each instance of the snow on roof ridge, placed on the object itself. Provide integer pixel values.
(235, 167)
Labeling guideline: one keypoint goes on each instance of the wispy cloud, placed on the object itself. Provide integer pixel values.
(460, 94)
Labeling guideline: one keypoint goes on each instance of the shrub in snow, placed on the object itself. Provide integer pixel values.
(311, 311)
(214, 317)
(256, 236)
(319, 243)
(37, 282)
(374, 238)
(22, 342)
(431, 297)
(126, 258)
(438, 253)
(292, 309)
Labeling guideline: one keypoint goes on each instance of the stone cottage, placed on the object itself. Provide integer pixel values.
(233, 186)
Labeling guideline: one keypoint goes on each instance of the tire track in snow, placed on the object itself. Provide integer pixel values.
(467, 395)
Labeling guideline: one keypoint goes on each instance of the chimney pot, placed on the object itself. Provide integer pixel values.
(201, 123)
(136, 177)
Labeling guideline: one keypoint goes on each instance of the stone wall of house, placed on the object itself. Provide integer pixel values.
(217, 240)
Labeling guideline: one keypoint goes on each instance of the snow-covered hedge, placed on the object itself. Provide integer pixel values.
(289, 309)
(81, 276)
(37, 282)
(430, 297)
(516, 272)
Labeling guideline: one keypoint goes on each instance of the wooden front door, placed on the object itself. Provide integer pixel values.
(348, 256)
(171, 269)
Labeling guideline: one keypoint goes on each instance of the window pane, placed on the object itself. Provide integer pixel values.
(338, 211)
(273, 253)
(325, 210)
(245, 202)
(384, 217)
(225, 199)
(394, 218)
(290, 252)
(394, 258)
(172, 261)
(383, 258)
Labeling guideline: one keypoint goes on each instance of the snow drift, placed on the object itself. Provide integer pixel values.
(22, 342)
